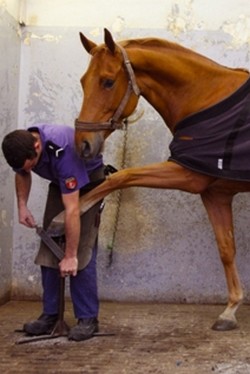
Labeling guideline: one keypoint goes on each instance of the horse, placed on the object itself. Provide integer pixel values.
(184, 87)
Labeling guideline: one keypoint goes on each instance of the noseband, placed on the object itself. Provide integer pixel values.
(114, 123)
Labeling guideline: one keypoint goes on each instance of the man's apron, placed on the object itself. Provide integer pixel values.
(89, 225)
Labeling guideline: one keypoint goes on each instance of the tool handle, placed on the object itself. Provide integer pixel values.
(53, 246)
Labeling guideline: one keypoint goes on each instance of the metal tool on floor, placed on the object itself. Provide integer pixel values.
(61, 328)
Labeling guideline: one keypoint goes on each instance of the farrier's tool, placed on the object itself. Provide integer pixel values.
(61, 328)
(50, 242)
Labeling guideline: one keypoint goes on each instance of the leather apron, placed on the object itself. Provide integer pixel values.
(89, 225)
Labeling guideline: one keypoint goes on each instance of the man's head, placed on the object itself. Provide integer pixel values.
(19, 146)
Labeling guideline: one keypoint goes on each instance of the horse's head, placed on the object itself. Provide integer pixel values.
(110, 95)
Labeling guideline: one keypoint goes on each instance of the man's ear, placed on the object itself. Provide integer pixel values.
(37, 145)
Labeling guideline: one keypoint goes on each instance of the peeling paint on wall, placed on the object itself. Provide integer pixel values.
(181, 18)
(239, 30)
(46, 37)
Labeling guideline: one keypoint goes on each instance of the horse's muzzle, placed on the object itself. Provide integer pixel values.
(88, 147)
(85, 150)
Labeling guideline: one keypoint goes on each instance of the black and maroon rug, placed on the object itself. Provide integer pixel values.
(216, 141)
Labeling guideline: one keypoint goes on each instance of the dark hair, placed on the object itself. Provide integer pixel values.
(17, 147)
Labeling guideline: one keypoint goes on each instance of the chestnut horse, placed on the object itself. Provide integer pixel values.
(177, 82)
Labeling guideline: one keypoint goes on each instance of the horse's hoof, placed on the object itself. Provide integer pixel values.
(224, 325)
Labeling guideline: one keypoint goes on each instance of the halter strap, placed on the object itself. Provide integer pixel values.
(114, 123)
(130, 71)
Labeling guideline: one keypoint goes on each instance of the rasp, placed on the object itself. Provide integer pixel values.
(53, 246)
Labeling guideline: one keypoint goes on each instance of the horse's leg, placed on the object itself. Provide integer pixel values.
(219, 208)
(166, 175)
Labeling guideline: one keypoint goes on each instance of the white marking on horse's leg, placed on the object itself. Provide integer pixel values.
(229, 312)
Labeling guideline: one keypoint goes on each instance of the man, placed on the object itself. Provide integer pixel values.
(48, 150)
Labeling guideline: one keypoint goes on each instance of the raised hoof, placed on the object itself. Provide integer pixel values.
(224, 325)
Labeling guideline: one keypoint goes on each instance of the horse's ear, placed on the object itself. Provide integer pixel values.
(88, 44)
(109, 41)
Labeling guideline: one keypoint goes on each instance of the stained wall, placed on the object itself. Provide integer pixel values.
(10, 47)
(163, 248)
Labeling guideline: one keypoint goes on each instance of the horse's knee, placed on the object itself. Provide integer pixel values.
(198, 183)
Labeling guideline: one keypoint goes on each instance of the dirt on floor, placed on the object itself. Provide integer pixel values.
(144, 338)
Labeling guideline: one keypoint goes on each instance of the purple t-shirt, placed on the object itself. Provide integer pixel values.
(59, 161)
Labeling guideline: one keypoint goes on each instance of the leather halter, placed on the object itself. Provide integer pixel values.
(114, 123)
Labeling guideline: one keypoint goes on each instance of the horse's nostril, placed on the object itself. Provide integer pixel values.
(85, 149)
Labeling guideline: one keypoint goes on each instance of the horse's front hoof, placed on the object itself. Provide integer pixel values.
(224, 325)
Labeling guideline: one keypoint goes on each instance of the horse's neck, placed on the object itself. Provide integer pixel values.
(178, 84)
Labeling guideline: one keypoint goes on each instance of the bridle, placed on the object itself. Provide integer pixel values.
(114, 123)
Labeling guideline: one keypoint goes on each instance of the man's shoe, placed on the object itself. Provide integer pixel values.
(84, 329)
(43, 325)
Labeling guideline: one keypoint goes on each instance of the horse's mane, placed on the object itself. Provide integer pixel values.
(155, 43)
(163, 44)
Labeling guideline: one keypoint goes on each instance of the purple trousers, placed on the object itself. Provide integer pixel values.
(83, 290)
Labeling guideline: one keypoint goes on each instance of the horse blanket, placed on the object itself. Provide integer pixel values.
(216, 141)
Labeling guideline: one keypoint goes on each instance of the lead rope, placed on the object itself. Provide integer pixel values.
(111, 245)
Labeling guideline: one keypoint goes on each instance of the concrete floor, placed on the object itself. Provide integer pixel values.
(149, 338)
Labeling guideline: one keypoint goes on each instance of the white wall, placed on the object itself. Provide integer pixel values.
(12, 7)
(183, 14)
(9, 84)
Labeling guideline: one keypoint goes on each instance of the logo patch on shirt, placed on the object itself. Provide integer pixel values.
(71, 183)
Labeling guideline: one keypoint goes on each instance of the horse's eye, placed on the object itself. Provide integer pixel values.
(108, 83)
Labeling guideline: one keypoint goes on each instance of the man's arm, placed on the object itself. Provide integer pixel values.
(69, 264)
(23, 185)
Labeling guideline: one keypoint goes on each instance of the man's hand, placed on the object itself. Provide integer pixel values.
(26, 218)
(23, 185)
(68, 266)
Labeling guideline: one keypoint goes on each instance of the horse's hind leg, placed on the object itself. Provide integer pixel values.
(219, 208)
